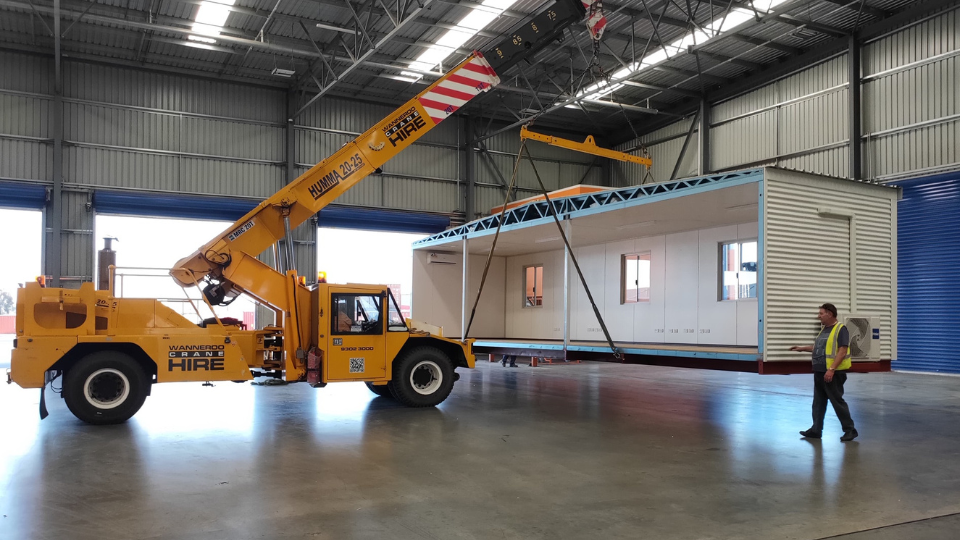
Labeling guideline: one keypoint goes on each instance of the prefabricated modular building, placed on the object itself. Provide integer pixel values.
(724, 271)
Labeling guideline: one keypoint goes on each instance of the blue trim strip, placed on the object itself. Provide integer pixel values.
(537, 212)
(745, 357)
(22, 196)
(232, 209)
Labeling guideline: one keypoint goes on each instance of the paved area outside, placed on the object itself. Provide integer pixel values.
(593, 450)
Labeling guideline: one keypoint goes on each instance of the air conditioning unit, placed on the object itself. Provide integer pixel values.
(864, 336)
(439, 257)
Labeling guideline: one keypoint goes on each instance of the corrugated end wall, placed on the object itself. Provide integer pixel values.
(807, 258)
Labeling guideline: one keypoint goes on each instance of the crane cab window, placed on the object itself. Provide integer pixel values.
(395, 322)
(356, 314)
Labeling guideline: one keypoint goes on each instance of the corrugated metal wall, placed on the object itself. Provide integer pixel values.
(136, 129)
(26, 146)
(911, 100)
(806, 258)
(929, 270)
(910, 105)
(425, 177)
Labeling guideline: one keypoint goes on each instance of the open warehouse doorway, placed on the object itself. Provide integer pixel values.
(365, 256)
(22, 246)
(147, 247)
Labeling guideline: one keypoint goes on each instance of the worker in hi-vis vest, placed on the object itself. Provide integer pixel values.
(831, 360)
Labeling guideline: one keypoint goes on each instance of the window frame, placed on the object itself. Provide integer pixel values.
(536, 287)
(623, 276)
(720, 270)
(396, 306)
(377, 331)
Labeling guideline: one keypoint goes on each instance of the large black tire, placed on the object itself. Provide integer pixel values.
(106, 387)
(422, 377)
(380, 390)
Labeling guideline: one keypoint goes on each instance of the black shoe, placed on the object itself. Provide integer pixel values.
(849, 436)
(810, 434)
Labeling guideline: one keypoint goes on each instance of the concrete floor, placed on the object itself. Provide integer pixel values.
(573, 451)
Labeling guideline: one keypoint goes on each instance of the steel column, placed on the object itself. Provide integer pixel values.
(470, 171)
(54, 266)
(463, 291)
(853, 64)
(567, 225)
(704, 133)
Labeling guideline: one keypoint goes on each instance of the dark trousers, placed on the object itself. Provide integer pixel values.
(833, 392)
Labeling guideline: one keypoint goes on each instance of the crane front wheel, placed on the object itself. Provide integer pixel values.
(422, 377)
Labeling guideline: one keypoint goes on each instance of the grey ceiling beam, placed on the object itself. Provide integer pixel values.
(858, 5)
(825, 29)
(768, 44)
(193, 68)
(661, 88)
(137, 25)
(365, 56)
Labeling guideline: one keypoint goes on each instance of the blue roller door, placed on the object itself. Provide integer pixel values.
(22, 196)
(231, 209)
(928, 275)
(382, 220)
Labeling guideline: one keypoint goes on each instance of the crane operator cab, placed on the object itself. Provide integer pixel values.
(367, 339)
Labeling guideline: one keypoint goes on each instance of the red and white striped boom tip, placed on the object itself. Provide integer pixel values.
(460, 86)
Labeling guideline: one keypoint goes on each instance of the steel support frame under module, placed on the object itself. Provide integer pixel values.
(716, 361)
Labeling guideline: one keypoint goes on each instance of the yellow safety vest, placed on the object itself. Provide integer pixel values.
(832, 349)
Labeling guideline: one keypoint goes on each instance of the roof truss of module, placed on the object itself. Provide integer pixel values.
(537, 212)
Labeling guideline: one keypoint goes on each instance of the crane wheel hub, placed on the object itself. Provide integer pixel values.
(106, 388)
(426, 377)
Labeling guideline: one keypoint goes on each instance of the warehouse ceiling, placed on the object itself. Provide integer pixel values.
(662, 55)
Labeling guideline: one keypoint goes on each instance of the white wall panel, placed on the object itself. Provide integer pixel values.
(748, 316)
(438, 289)
(716, 319)
(546, 321)
(681, 287)
(648, 316)
(618, 317)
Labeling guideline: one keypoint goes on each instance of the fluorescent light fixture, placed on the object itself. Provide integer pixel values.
(211, 17)
(280, 72)
(545, 240)
(698, 37)
(202, 39)
(474, 21)
(412, 79)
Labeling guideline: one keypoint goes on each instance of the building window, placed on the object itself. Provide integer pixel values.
(533, 286)
(738, 270)
(635, 278)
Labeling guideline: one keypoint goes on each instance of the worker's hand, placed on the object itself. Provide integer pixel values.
(828, 376)
(795, 348)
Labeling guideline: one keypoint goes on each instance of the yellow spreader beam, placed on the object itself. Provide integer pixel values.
(587, 147)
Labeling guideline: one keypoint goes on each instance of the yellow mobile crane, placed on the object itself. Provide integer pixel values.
(110, 350)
